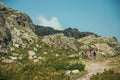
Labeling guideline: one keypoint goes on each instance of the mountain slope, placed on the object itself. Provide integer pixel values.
(101, 44)
(16, 29)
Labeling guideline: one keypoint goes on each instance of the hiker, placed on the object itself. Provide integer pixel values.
(90, 54)
(94, 53)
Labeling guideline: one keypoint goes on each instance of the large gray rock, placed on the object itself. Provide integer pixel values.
(16, 29)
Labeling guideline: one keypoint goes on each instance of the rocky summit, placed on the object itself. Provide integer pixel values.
(69, 32)
(16, 29)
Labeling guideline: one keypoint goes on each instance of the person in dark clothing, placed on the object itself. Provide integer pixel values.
(94, 53)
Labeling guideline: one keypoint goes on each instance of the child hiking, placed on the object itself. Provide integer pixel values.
(90, 54)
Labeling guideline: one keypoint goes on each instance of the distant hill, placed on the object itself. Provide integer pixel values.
(69, 32)
(42, 30)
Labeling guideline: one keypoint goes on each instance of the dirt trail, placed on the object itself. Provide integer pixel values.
(93, 68)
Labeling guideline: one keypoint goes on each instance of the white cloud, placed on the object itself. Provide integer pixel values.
(53, 22)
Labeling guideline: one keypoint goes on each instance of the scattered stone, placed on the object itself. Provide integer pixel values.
(3, 58)
(15, 54)
(35, 49)
(40, 58)
(75, 71)
(37, 45)
(51, 51)
(34, 56)
(45, 52)
(30, 57)
(31, 53)
(68, 72)
(7, 60)
(103, 54)
(20, 57)
(73, 55)
(35, 60)
(13, 58)
(57, 55)
(12, 48)
(19, 63)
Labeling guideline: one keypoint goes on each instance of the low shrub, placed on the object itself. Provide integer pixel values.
(106, 75)
(32, 72)
(78, 66)
(55, 64)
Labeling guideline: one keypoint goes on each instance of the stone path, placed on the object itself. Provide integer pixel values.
(93, 68)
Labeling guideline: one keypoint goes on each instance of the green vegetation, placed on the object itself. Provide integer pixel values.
(31, 72)
(55, 64)
(51, 68)
(47, 70)
(78, 66)
(106, 75)
(25, 40)
(62, 65)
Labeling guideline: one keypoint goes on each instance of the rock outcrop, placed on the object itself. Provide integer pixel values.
(61, 41)
(16, 29)
(104, 47)
(69, 32)
(44, 31)
(107, 45)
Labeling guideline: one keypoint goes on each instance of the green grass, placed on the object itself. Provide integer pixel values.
(31, 72)
(106, 75)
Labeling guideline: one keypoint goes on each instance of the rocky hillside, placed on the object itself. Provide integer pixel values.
(16, 29)
(69, 32)
(104, 45)
(61, 41)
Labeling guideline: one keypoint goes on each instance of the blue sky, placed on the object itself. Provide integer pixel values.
(99, 16)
